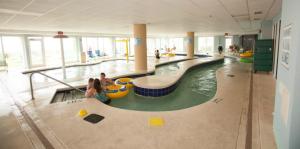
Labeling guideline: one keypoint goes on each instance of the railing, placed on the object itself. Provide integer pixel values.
(31, 85)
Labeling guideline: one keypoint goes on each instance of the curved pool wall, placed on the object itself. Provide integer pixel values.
(157, 92)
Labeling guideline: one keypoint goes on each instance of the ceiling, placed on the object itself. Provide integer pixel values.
(163, 17)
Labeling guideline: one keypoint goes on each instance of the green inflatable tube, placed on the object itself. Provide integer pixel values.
(246, 60)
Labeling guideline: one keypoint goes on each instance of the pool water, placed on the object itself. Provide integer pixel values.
(167, 69)
(196, 87)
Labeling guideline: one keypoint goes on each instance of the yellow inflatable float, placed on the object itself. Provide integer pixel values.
(125, 81)
(169, 54)
(246, 54)
(116, 91)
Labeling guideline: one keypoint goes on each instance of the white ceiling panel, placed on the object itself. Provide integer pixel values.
(274, 10)
(4, 17)
(236, 7)
(117, 16)
(42, 6)
(13, 4)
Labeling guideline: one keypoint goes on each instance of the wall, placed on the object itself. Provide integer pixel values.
(219, 41)
(236, 40)
(287, 133)
(266, 29)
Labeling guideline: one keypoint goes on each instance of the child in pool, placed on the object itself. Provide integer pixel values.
(105, 81)
(90, 91)
(157, 54)
(100, 93)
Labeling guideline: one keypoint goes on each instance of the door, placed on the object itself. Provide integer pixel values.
(36, 51)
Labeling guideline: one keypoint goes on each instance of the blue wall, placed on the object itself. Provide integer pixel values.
(288, 135)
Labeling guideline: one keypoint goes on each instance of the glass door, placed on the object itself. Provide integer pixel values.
(37, 54)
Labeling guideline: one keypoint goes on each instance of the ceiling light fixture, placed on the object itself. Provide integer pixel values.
(60, 34)
(226, 35)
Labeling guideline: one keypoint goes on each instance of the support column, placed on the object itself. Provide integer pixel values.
(190, 44)
(140, 47)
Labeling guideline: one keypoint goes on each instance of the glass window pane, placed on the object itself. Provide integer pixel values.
(2, 58)
(228, 43)
(206, 45)
(13, 48)
(71, 52)
(107, 43)
(52, 51)
(150, 47)
(131, 53)
(100, 47)
(90, 45)
(120, 47)
(36, 51)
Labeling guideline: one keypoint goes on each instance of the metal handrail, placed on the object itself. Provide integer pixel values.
(31, 85)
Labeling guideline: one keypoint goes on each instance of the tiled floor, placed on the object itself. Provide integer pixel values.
(263, 107)
(11, 128)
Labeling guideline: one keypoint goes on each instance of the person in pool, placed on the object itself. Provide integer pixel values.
(105, 81)
(157, 54)
(100, 93)
(90, 90)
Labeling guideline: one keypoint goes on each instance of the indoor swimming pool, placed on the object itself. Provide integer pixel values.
(197, 86)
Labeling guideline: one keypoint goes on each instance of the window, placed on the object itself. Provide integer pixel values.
(71, 52)
(131, 43)
(36, 51)
(150, 46)
(121, 47)
(13, 48)
(2, 57)
(89, 45)
(158, 43)
(52, 51)
(206, 45)
(228, 42)
(177, 43)
(95, 46)
(107, 46)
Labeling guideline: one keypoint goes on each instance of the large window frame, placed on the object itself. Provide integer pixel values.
(205, 45)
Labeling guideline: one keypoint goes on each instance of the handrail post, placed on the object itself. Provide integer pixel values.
(31, 86)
